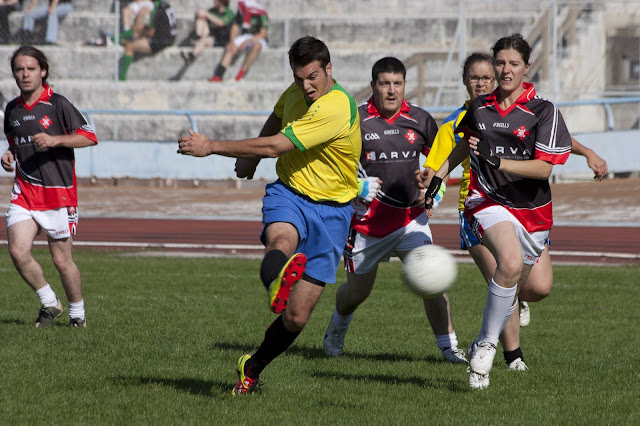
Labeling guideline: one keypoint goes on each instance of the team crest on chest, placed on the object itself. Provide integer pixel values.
(45, 122)
(410, 136)
(521, 132)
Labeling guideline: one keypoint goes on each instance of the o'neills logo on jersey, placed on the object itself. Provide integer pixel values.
(393, 155)
(371, 137)
(410, 136)
(392, 132)
(521, 132)
(501, 125)
(45, 122)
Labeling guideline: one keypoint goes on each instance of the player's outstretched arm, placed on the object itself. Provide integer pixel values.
(198, 145)
(594, 161)
(246, 168)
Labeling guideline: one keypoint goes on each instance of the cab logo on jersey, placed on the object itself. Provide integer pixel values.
(45, 122)
(521, 132)
(411, 136)
(371, 137)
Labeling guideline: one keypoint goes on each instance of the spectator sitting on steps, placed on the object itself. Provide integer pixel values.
(248, 32)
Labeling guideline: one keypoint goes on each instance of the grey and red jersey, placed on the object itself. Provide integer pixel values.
(45, 180)
(532, 128)
(391, 150)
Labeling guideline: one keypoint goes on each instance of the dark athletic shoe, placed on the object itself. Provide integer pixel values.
(77, 322)
(47, 315)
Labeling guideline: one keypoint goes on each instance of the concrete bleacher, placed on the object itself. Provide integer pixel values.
(86, 74)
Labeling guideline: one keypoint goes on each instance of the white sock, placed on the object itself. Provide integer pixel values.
(508, 317)
(445, 341)
(76, 310)
(341, 319)
(499, 302)
(47, 296)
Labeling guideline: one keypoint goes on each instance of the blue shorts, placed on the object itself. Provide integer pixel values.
(467, 238)
(323, 227)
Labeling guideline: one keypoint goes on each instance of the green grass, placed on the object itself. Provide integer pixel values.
(164, 335)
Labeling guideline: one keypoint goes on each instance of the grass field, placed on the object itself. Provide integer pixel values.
(164, 335)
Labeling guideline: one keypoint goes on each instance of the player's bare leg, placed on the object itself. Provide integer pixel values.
(302, 300)
(510, 336)
(20, 236)
(348, 297)
(540, 281)
(502, 240)
(355, 291)
(61, 254)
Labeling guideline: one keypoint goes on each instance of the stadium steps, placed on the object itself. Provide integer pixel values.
(434, 31)
(95, 63)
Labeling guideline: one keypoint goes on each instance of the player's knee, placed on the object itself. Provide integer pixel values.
(295, 322)
(18, 254)
(534, 294)
(61, 261)
(511, 267)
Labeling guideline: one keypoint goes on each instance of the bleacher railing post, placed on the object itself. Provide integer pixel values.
(116, 35)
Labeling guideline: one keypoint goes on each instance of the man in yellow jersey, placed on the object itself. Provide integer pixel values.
(314, 131)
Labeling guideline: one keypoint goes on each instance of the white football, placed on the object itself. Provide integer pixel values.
(429, 270)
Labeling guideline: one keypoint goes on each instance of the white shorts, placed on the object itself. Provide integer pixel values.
(137, 6)
(244, 37)
(58, 224)
(532, 243)
(363, 252)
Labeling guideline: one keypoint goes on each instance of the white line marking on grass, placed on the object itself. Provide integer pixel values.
(193, 246)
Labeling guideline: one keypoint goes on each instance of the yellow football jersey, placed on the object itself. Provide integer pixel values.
(442, 146)
(327, 135)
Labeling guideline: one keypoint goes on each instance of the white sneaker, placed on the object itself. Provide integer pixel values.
(518, 365)
(334, 338)
(454, 355)
(481, 356)
(525, 313)
(478, 381)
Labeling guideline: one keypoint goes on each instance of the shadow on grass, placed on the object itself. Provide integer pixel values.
(317, 353)
(448, 384)
(14, 322)
(210, 389)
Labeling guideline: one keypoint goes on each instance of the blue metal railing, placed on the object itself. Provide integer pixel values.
(191, 114)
